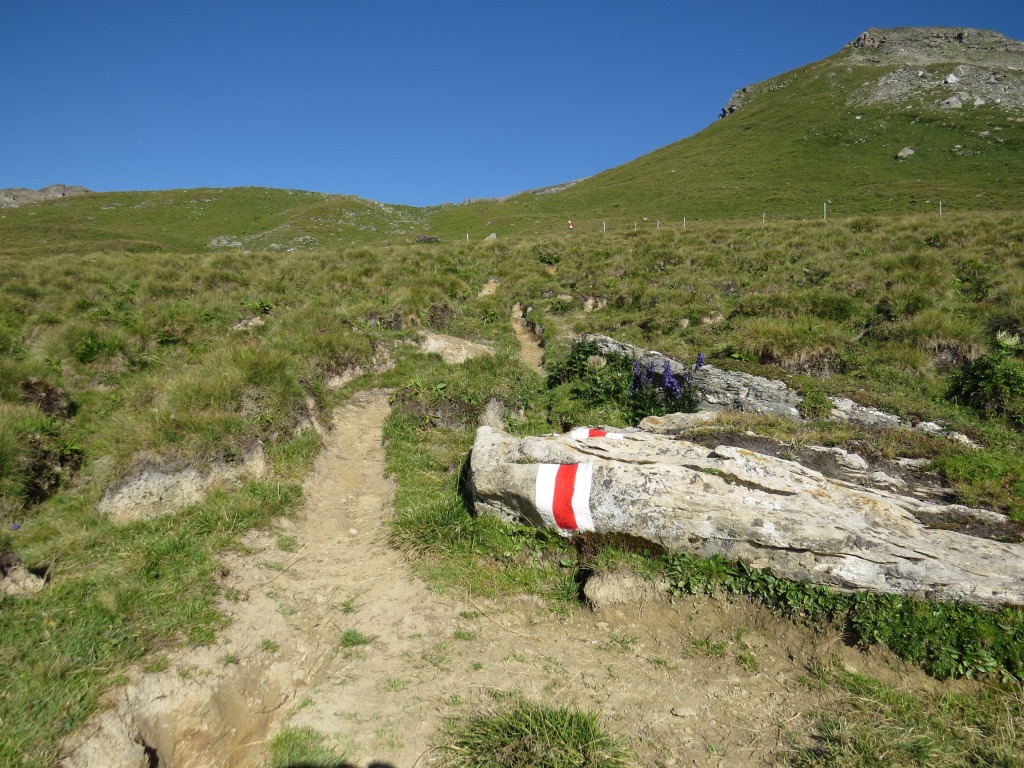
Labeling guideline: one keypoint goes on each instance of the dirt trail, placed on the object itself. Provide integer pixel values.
(530, 350)
(699, 682)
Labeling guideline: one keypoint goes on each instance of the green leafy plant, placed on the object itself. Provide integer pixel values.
(994, 383)
(815, 405)
(619, 388)
(947, 639)
(351, 638)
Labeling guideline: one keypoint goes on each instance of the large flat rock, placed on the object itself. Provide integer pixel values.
(767, 512)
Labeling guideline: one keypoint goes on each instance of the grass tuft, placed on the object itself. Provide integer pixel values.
(304, 747)
(871, 723)
(515, 733)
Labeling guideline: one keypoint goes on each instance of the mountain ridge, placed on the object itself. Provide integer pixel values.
(870, 129)
(18, 196)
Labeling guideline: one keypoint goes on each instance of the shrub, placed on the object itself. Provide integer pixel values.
(993, 384)
(815, 405)
(620, 388)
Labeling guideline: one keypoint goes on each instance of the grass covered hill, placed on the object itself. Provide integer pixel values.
(249, 218)
(179, 329)
(828, 131)
(833, 130)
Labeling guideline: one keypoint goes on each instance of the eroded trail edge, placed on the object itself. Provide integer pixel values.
(289, 600)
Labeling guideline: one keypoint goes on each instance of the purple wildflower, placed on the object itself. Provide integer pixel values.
(700, 361)
(15, 527)
(670, 384)
(635, 384)
(647, 380)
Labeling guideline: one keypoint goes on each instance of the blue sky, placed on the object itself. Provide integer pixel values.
(402, 102)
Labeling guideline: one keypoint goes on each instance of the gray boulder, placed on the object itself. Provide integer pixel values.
(767, 512)
(734, 391)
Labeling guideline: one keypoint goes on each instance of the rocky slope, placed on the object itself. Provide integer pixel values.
(13, 198)
(940, 67)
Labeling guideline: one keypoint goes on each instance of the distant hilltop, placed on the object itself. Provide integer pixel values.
(12, 198)
(981, 67)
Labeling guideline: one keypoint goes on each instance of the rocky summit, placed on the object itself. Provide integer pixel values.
(941, 67)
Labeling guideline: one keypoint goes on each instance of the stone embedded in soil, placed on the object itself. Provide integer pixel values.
(15, 578)
(150, 492)
(743, 392)
(767, 512)
(452, 350)
(603, 590)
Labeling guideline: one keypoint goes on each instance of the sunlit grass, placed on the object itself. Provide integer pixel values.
(159, 353)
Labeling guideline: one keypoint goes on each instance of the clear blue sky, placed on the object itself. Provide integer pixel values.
(402, 102)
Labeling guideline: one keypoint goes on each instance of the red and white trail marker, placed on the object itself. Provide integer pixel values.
(563, 496)
(583, 433)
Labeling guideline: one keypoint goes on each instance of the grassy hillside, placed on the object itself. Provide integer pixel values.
(802, 138)
(146, 353)
(134, 332)
(197, 219)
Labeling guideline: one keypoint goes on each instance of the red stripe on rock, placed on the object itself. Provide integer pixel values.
(565, 483)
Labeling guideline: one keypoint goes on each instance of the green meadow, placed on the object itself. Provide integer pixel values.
(155, 354)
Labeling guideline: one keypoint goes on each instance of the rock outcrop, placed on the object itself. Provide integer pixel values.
(12, 198)
(922, 46)
(767, 512)
(937, 67)
(153, 491)
(452, 349)
(733, 391)
(975, 67)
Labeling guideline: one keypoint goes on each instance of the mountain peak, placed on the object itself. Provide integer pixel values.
(937, 67)
(921, 46)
